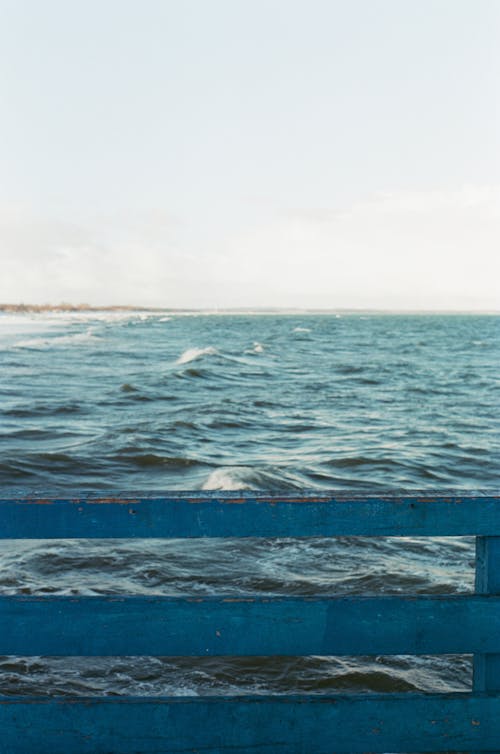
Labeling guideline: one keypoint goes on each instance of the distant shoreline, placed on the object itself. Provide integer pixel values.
(72, 308)
(18, 308)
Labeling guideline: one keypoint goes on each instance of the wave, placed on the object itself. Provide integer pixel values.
(216, 676)
(256, 348)
(75, 338)
(151, 460)
(191, 354)
(301, 329)
(128, 388)
(41, 409)
(45, 330)
(247, 478)
(224, 479)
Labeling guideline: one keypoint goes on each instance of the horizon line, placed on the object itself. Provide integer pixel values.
(68, 307)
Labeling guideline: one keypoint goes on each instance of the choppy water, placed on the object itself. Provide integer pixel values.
(276, 402)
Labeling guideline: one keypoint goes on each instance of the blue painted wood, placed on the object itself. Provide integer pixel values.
(246, 725)
(487, 666)
(251, 515)
(248, 626)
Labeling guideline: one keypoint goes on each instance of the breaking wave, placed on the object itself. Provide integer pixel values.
(59, 340)
(191, 354)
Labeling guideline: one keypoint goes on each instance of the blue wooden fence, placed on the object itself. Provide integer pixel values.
(298, 724)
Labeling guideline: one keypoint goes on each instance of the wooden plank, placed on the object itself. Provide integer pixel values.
(250, 515)
(248, 626)
(245, 725)
(487, 666)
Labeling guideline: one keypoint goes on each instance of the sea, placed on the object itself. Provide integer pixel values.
(122, 401)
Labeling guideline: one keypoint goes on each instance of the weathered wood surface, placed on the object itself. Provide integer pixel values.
(246, 725)
(248, 626)
(313, 724)
(487, 665)
(250, 515)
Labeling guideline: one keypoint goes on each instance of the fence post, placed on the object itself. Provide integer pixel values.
(487, 666)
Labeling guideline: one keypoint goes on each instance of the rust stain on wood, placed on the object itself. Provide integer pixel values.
(36, 501)
(112, 500)
(264, 500)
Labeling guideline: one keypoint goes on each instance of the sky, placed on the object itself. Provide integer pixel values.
(250, 153)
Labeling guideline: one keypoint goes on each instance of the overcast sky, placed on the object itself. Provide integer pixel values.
(226, 153)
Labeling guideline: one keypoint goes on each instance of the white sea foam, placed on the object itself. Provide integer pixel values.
(59, 340)
(225, 479)
(34, 321)
(25, 322)
(191, 354)
(302, 329)
(258, 347)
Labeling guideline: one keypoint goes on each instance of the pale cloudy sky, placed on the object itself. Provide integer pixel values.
(225, 153)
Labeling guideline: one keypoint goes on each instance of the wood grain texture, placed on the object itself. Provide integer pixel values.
(246, 725)
(208, 626)
(250, 515)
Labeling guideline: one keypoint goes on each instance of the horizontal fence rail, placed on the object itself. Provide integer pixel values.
(258, 626)
(246, 725)
(242, 625)
(250, 515)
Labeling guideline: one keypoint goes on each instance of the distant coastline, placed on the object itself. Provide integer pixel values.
(67, 307)
(64, 307)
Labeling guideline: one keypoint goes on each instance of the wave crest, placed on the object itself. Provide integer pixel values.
(60, 340)
(270, 478)
(225, 479)
(191, 354)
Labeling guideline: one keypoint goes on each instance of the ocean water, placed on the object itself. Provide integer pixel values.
(130, 401)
